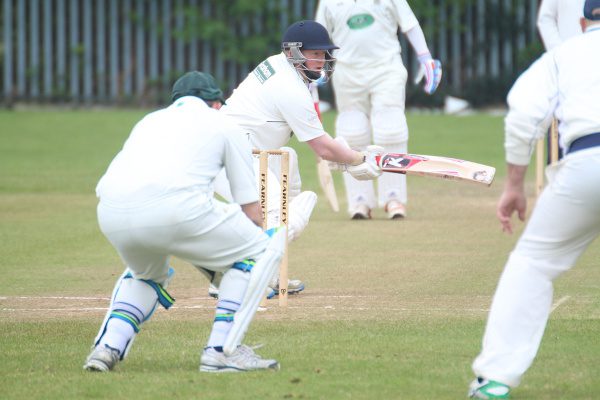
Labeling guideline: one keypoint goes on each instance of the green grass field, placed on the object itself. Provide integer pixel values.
(392, 309)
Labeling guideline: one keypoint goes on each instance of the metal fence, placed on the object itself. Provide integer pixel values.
(130, 51)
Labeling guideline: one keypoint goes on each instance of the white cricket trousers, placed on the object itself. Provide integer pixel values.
(201, 230)
(565, 221)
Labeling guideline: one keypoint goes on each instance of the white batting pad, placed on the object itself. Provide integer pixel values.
(260, 276)
(389, 126)
(354, 128)
(301, 208)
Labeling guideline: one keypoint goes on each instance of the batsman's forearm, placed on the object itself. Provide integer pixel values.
(515, 175)
(328, 149)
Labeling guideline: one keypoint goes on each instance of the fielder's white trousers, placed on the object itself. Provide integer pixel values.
(200, 230)
(565, 221)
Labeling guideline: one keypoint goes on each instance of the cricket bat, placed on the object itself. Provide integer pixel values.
(326, 181)
(323, 172)
(434, 166)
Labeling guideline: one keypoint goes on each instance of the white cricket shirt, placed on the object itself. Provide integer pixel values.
(272, 102)
(178, 151)
(563, 83)
(558, 20)
(366, 30)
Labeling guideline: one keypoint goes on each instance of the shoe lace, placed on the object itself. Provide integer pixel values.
(250, 349)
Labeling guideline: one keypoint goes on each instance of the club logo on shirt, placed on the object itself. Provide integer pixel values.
(360, 21)
(264, 71)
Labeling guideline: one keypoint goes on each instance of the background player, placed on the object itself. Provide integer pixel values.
(369, 86)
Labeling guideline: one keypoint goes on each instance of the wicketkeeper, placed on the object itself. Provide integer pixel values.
(565, 83)
(274, 102)
(156, 201)
(370, 85)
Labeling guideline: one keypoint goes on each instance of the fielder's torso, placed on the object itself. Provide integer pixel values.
(365, 30)
(578, 80)
(178, 151)
(564, 83)
(272, 102)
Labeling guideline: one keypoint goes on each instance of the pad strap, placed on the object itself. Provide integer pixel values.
(245, 265)
(127, 318)
(164, 298)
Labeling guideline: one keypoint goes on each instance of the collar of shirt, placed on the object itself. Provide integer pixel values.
(294, 69)
(185, 100)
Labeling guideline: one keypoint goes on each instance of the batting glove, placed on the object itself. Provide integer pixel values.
(368, 169)
(433, 72)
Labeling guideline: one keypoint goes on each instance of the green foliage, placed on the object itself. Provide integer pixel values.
(245, 31)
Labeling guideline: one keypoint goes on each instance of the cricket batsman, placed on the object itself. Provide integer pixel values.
(274, 102)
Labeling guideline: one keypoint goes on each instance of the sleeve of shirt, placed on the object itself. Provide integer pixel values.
(299, 112)
(547, 23)
(531, 101)
(405, 17)
(239, 167)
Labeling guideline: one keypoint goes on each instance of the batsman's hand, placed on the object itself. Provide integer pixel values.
(368, 169)
(432, 72)
(512, 199)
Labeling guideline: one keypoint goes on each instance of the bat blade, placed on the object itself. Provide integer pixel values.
(436, 166)
(323, 171)
(326, 181)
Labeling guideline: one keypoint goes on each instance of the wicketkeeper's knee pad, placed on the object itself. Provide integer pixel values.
(389, 126)
(354, 127)
(300, 210)
(134, 301)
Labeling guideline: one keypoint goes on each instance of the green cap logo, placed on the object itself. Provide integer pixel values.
(360, 21)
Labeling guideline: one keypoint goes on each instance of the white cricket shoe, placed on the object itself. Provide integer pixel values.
(213, 291)
(361, 211)
(243, 359)
(295, 286)
(395, 210)
(101, 359)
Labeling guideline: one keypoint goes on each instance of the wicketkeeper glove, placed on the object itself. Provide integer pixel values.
(433, 72)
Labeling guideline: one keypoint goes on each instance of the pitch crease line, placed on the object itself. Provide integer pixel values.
(559, 302)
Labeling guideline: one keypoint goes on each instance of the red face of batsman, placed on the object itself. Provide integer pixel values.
(315, 59)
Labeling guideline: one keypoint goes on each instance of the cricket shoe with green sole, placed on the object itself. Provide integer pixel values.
(482, 388)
